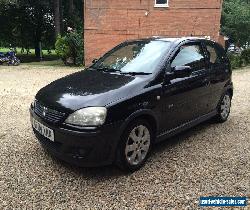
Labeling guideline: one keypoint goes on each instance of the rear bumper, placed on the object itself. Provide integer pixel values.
(87, 148)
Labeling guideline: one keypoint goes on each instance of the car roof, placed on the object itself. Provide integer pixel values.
(173, 39)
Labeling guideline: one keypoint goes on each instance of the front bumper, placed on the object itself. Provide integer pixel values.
(86, 148)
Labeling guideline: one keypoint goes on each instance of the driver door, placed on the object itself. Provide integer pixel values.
(184, 99)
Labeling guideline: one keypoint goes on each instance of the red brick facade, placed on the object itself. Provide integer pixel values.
(110, 22)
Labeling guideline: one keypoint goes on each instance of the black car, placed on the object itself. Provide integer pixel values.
(139, 93)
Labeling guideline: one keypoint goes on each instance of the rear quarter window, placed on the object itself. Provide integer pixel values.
(216, 53)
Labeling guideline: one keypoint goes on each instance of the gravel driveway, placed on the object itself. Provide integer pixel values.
(211, 159)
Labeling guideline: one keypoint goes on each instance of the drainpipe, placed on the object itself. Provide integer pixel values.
(83, 30)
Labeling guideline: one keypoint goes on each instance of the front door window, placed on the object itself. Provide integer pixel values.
(190, 55)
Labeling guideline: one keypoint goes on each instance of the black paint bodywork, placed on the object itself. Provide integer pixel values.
(169, 104)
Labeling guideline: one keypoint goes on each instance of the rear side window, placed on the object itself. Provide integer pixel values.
(190, 55)
(215, 54)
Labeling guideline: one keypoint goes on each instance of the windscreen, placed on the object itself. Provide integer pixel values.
(135, 57)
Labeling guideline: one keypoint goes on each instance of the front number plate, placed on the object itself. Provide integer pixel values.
(43, 130)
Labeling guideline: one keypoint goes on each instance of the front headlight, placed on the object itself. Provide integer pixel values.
(91, 116)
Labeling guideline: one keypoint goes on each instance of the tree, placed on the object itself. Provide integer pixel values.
(26, 23)
(71, 8)
(57, 17)
(73, 14)
(236, 21)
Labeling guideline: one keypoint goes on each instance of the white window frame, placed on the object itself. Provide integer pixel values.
(161, 5)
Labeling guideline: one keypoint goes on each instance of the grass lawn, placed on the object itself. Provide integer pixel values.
(30, 59)
(32, 51)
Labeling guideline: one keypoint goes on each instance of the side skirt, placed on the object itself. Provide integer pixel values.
(185, 126)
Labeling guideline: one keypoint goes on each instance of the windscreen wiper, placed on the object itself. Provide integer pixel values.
(136, 73)
(106, 69)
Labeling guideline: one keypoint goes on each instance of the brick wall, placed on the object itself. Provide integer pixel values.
(110, 22)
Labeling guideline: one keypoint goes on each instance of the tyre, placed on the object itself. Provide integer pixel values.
(17, 62)
(135, 146)
(224, 108)
(14, 62)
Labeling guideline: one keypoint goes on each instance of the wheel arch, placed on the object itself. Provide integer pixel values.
(230, 91)
(226, 90)
(144, 114)
(229, 88)
(147, 115)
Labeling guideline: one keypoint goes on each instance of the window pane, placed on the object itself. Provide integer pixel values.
(190, 55)
(213, 54)
(161, 1)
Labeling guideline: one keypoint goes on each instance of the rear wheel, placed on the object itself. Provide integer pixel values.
(224, 108)
(135, 146)
(16, 62)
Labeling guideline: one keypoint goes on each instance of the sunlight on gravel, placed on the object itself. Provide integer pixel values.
(209, 160)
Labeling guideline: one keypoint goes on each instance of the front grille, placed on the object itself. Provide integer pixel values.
(47, 113)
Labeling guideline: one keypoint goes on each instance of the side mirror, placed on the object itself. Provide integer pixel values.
(94, 61)
(182, 71)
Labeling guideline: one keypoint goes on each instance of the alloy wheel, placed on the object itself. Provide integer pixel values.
(137, 145)
(225, 106)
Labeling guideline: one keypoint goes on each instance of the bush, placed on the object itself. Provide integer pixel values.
(70, 48)
(62, 47)
(236, 61)
(245, 55)
(240, 60)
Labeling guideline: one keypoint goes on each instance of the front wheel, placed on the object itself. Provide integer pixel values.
(135, 146)
(16, 62)
(224, 108)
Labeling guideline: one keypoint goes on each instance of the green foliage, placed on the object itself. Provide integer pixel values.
(246, 56)
(236, 61)
(236, 21)
(240, 60)
(74, 19)
(70, 48)
(75, 41)
(24, 23)
(62, 47)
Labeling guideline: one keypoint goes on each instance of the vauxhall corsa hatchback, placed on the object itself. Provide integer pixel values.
(139, 93)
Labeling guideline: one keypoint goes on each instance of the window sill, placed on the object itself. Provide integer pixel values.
(161, 5)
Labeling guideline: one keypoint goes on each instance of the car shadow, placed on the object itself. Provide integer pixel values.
(112, 172)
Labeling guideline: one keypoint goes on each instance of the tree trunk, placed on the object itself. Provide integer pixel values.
(57, 17)
(61, 15)
(37, 42)
(37, 50)
(71, 7)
